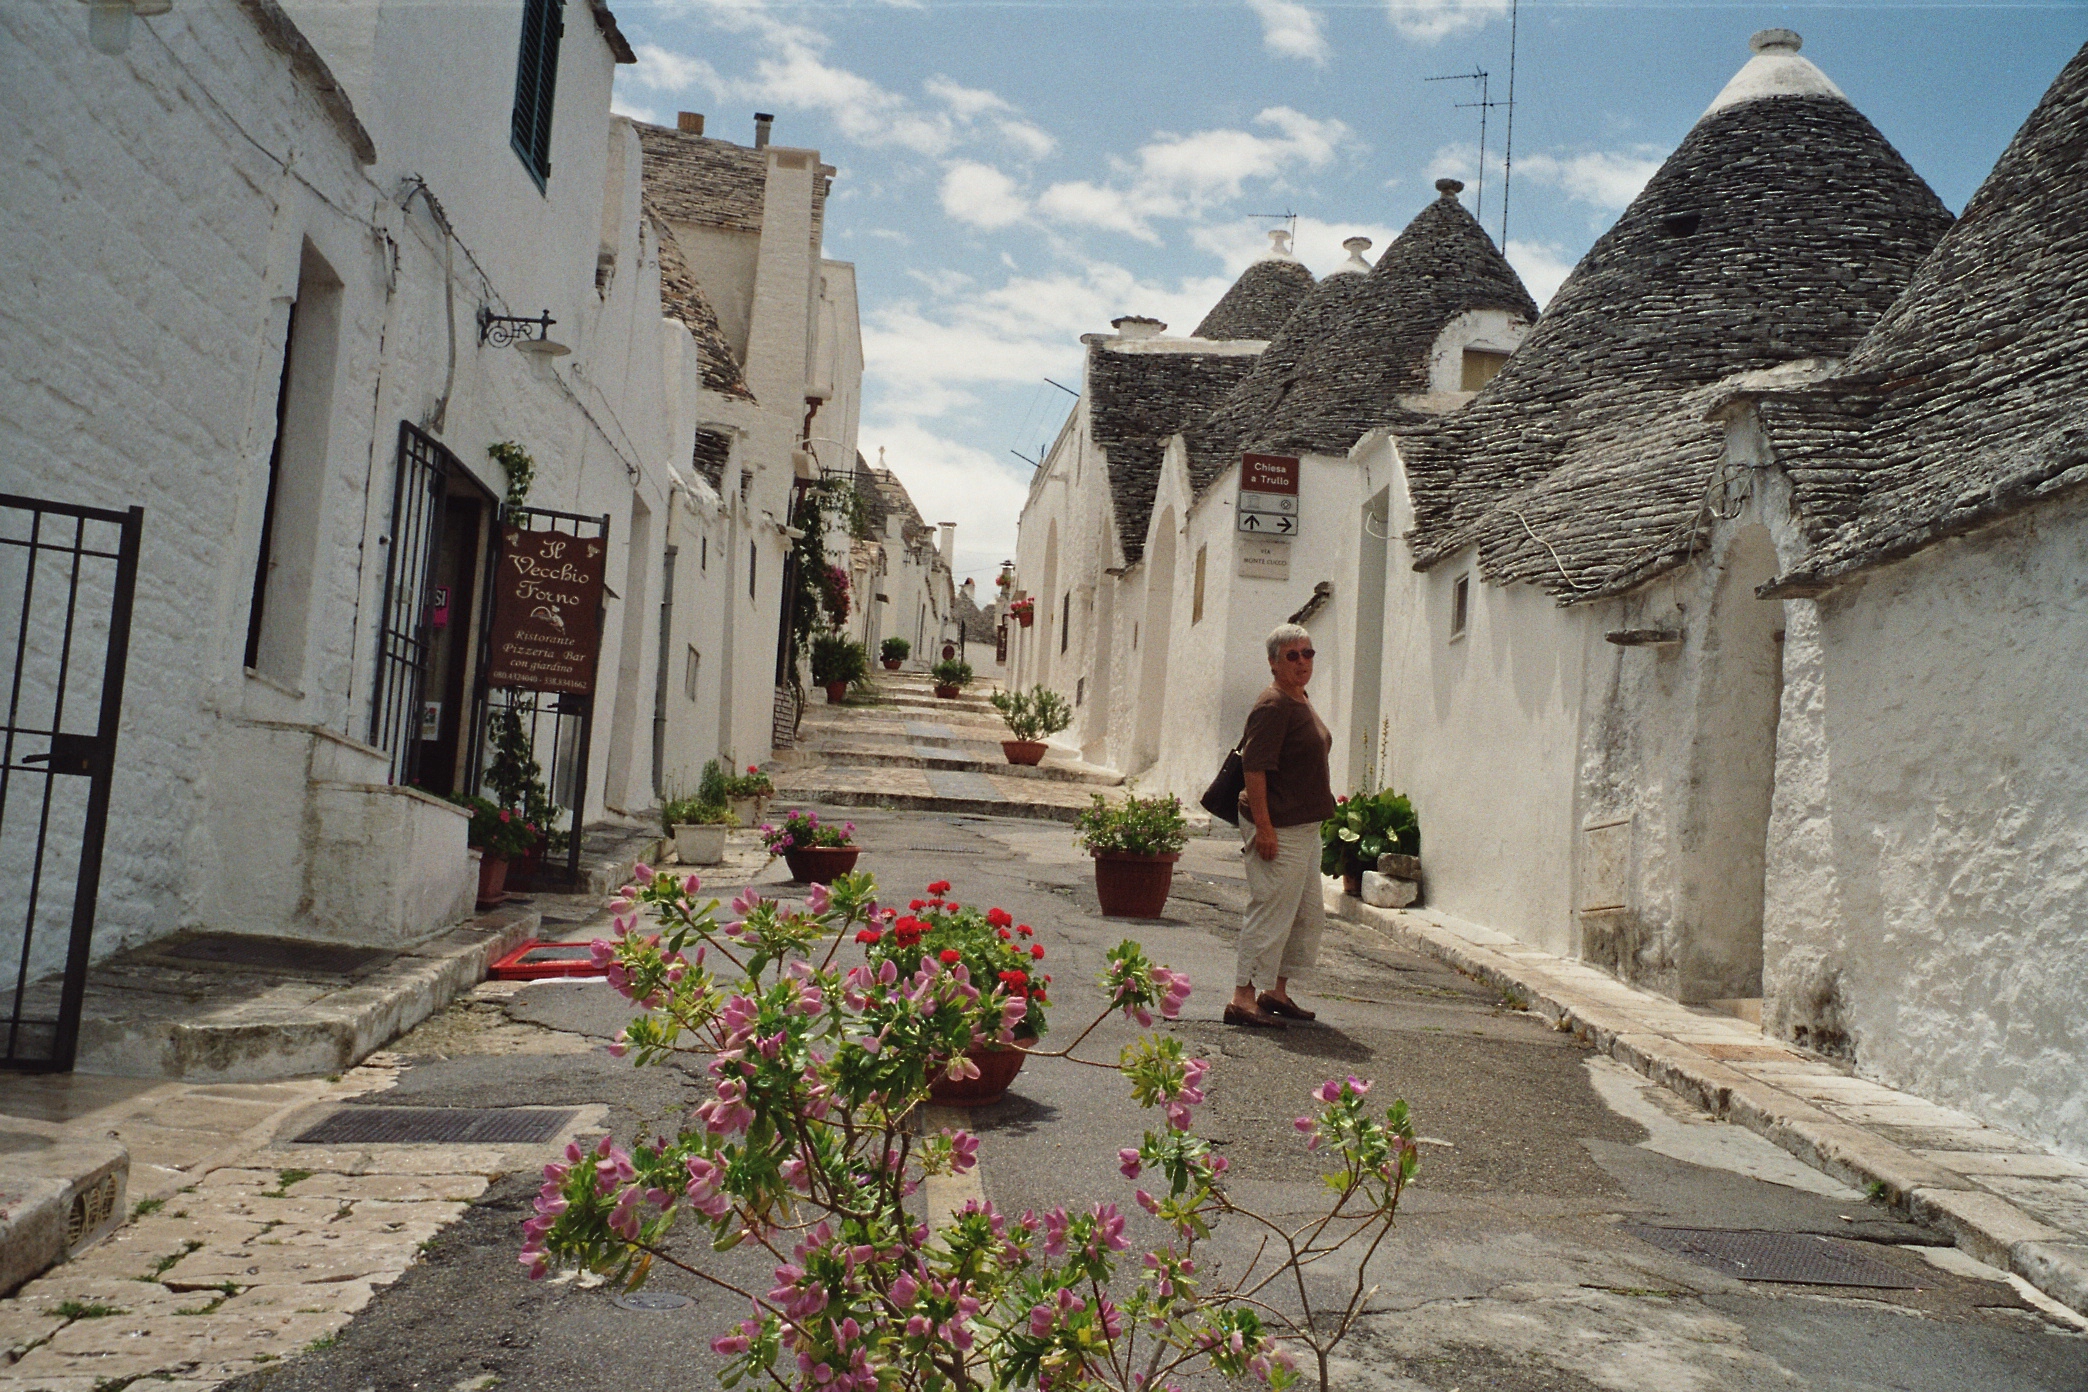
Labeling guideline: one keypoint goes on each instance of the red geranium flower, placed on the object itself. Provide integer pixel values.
(1016, 982)
(1024, 929)
(869, 935)
(951, 956)
(1005, 935)
(753, 768)
(917, 905)
(1036, 949)
(999, 918)
(939, 887)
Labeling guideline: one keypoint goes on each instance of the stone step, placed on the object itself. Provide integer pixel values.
(913, 802)
(953, 759)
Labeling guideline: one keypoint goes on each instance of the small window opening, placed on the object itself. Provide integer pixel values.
(1134, 637)
(1065, 618)
(703, 556)
(1681, 224)
(1080, 691)
(1196, 596)
(753, 561)
(1481, 365)
(1460, 605)
(692, 668)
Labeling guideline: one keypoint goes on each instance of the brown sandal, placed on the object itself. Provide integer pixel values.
(1268, 1004)
(1253, 1019)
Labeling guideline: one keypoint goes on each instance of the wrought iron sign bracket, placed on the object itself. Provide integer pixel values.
(501, 330)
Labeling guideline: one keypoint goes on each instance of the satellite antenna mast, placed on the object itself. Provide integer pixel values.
(1508, 160)
(1480, 76)
(1291, 218)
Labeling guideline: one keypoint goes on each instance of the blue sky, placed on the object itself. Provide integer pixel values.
(1014, 174)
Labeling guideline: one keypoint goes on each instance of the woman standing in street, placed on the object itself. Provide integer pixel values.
(1288, 795)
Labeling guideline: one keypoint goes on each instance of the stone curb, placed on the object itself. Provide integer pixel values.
(56, 1202)
(331, 1035)
(1984, 1224)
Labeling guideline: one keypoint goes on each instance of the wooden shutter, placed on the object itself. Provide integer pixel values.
(536, 85)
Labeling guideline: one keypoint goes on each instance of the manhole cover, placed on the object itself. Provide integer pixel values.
(475, 1126)
(276, 954)
(1804, 1259)
(654, 1300)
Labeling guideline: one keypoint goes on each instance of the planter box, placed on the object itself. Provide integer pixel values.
(1029, 752)
(749, 810)
(699, 843)
(819, 864)
(1133, 886)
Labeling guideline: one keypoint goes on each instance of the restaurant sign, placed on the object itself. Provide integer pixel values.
(547, 611)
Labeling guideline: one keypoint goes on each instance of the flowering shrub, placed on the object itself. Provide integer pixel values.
(802, 830)
(988, 943)
(752, 783)
(808, 1148)
(498, 830)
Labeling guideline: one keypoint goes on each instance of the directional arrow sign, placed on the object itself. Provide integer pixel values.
(1268, 499)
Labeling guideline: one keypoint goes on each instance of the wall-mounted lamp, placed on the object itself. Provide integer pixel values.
(109, 21)
(501, 330)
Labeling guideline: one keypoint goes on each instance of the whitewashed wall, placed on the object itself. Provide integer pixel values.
(1930, 848)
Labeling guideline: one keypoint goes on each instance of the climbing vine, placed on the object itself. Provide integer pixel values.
(520, 468)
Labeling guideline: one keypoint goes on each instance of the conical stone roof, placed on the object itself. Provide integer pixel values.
(1350, 380)
(1779, 230)
(1969, 401)
(1265, 295)
(1215, 443)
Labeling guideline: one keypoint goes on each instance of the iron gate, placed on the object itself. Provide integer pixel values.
(67, 577)
(403, 636)
(556, 726)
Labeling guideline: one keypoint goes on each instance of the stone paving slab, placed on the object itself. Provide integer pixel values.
(2003, 1199)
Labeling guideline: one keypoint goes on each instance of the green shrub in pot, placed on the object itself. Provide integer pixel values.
(1035, 714)
(1364, 827)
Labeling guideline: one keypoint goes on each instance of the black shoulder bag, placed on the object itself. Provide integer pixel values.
(1222, 798)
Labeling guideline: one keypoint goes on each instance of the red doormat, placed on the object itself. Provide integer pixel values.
(544, 961)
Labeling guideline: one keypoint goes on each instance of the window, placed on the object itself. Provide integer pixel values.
(1481, 365)
(753, 560)
(1460, 605)
(1080, 691)
(536, 86)
(1196, 599)
(703, 557)
(691, 669)
(1065, 617)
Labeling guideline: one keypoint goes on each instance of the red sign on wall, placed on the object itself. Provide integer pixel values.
(547, 611)
(1268, 473)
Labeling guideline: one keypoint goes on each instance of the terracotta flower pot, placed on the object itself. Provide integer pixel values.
(1030, 752)
(1133, 886)
(891, 664)
(837, 692)
(1352, 884)
(949, 693)
(1027, 617)
(819, 864)
(492, 879)
(997, 1069)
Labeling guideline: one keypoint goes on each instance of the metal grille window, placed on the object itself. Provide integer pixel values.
(536, 85)
(403, 637)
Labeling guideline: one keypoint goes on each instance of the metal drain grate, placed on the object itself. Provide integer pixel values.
(1803, 1259)
(466, 1125)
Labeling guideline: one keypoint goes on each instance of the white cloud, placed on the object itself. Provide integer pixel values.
(619, 107)
(1430, 20)
(981, 492)
(1543, 267)
(1212, 165)
(1605, 178)
(1081, 203)
(1317, 243)
(966, 103)
(981, 196)
(1291, 30)
(1031, 140)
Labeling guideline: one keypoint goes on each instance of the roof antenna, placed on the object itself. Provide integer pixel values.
(1478, 75)
(1289, 219)
(1508, 160)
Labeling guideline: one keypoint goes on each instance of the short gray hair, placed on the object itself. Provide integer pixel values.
(1283, 635)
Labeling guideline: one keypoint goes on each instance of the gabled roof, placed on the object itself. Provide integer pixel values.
(1259, 301)
(1969, 401)
(1350, 380)
(1779, 230)
(681, 295)
(1216, 438)
(695, 179)
(1139, 395)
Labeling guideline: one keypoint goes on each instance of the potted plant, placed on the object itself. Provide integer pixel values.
(749, 792)
(1365, 826)
(1024, 610)
(838, 663)
(1033, 716)
(1135, 844)
(892, 652)
(991, 947)
(815, 852)
(499, 835)
(951, 677)
(516, 781)
(698, 826)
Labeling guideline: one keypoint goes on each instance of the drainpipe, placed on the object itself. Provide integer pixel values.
(659, 743)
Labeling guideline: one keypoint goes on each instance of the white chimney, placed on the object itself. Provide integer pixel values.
(762, 122)
(949, 543)
(1136, 326)
(1355, 247)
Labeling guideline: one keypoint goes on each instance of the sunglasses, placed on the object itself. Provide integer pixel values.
(1300, 655)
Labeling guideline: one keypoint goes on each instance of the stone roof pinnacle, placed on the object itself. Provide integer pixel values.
(1776, 70)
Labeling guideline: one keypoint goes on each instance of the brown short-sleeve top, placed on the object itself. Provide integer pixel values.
(1287, 740)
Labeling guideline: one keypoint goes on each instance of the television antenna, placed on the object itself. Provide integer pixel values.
(1485, 104)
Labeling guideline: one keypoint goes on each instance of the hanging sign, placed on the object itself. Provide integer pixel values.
(1268, 504)
(547, 611)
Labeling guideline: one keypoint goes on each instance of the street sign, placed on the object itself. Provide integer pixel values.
(1268, 503)
(1264, 560)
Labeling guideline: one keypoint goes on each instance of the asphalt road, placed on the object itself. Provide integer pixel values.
(1513, 1266)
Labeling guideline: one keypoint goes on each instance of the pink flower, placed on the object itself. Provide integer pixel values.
(1131, 1164)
